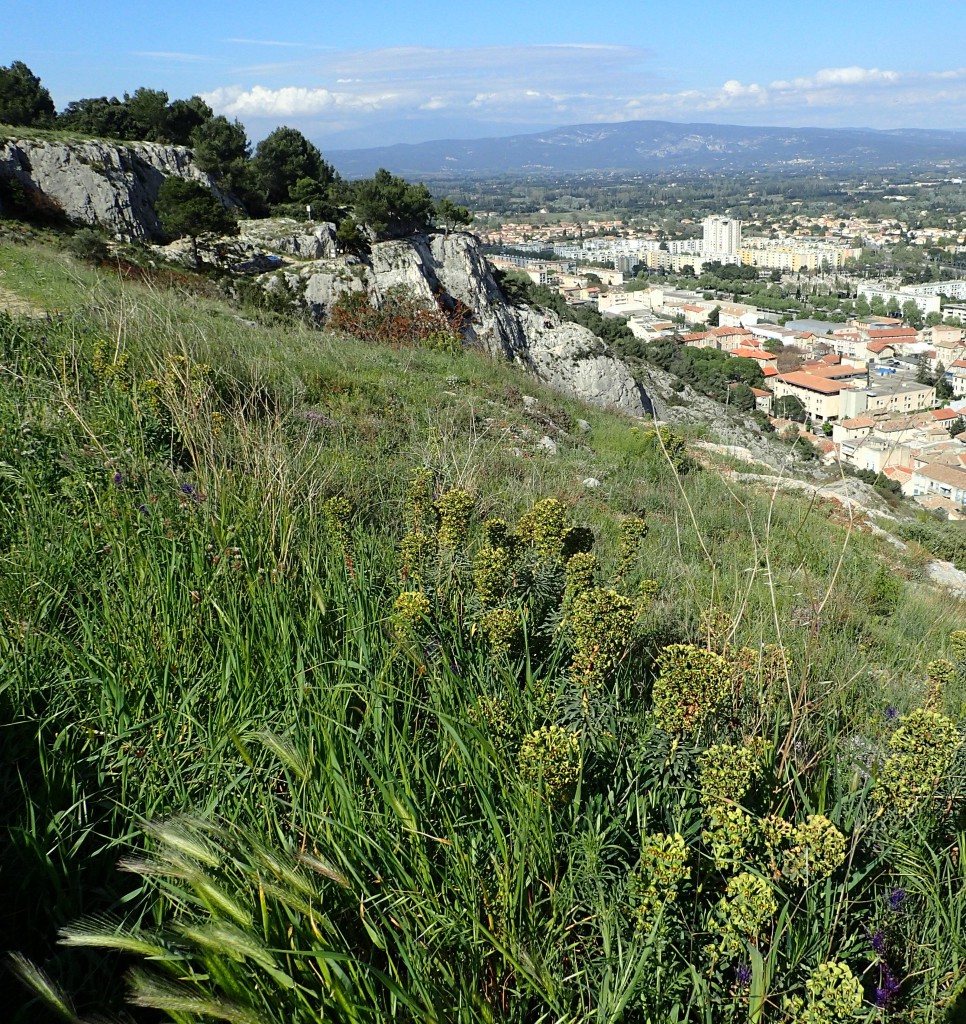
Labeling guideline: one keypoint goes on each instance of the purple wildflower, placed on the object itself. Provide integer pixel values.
(887, 989)
(743, 974)
(879, 942)
(897, 897)
(187, 489)
(118, 478)
(891, 713)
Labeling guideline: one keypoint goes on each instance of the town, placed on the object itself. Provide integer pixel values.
(884, 394)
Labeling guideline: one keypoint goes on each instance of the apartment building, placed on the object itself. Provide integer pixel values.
(721, 239)
(793, 255)
(900, 397)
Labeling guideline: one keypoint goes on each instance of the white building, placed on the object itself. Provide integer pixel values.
(897, 297)
(722, 239)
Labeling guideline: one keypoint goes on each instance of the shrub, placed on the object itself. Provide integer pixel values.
(884, 592)
(661, 871)
(833, 993)
(400, 320)
(87, 245)
(545, 527)
(691, 686)
(601, 622)
(923, 750)
(549, 759)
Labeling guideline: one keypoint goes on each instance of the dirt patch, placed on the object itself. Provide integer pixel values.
(12, 303)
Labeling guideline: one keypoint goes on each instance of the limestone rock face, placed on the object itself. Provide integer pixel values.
(104, 184)
(451, 269)
(285, 235)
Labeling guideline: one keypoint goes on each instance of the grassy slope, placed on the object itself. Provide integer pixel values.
(170, 590)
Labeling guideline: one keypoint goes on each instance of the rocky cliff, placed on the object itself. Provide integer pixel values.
(109, 185)
(451, 269)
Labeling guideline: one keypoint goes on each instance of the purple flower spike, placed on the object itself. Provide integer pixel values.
(118, 479)
(888, 988)
(743, 974)
(896, 900)
(891, 714)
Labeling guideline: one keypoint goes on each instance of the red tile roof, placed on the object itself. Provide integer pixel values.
(744, 352)
(895, 332)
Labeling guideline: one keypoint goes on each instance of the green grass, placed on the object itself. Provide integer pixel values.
(322, 804)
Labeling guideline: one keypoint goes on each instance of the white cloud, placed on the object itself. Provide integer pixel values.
(540, 85)
(292, 101)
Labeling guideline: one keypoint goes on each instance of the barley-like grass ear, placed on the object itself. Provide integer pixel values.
(285, 750)
(38, 982)
(103, 933)
(182, 836)
(161, 994)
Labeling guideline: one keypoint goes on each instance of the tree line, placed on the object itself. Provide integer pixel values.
(284, 175)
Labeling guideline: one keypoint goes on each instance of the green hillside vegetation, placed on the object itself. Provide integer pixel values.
(284, 175)
(329, 694)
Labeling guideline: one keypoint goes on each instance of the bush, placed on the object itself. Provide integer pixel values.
(87, 245)
(400, 320)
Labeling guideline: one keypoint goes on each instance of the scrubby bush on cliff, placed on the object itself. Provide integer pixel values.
(399, 319)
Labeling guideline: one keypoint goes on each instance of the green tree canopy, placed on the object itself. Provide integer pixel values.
(186, 209)
(182, 117)
(912, 314)
(147, 110)
(23, 100)
(452, 216)
(789, 407)
(282, 159)
(391, 207)
(221, 148)
(98, 116)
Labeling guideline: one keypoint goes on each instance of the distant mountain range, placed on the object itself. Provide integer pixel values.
(661, 146)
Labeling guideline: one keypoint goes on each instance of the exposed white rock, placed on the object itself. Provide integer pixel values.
(591, 482)
(109, 185)
(548, 444)
(303, 241)
(451, 269)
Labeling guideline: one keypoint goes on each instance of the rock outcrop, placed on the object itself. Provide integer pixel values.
(109, 185)
(451, 269)
(287, 236)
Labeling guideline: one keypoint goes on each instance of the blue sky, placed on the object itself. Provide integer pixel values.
(379, 72)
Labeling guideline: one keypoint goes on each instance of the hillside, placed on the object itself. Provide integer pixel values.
(396, 711)
(663, 146)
